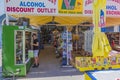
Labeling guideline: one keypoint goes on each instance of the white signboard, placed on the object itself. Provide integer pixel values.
(112, 6)
(39, 7)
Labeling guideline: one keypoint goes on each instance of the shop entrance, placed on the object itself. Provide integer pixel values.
(50, 65)
(49, 62)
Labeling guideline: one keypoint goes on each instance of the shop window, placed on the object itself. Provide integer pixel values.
(107, 29)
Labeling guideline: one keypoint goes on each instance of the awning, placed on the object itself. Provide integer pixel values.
(66, 20)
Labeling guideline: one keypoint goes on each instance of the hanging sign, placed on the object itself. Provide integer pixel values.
(70, 6)
(102, 18)
(112, 7)
(32, 7)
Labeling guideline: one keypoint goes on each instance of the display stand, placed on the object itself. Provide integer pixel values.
(67, 37)
(16, 45)
(67, 49)
(98, 63)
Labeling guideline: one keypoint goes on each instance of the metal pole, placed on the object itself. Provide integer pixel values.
(76, 41)
(7, 17)
(67, 49)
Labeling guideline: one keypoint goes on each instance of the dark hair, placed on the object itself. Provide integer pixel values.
(34, 35)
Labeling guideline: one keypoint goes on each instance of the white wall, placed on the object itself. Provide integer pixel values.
(0, 57)
(116, 28)
(2, 7)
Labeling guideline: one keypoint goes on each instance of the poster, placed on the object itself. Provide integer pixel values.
(99, 13)
(39, 7)
(70, 6)
(112, 7)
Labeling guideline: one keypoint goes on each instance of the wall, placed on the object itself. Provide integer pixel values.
(0, 49)
(0, 36)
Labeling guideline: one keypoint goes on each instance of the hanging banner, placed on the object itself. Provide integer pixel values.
(39, 7)
(112, 7)
(70, 6)
(88, 7)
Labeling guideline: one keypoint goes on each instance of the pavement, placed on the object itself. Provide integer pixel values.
(50, 69)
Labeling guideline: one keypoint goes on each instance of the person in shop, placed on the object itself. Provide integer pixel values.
(55, 44)
(35, 45)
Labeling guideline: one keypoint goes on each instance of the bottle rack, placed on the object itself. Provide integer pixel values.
(19, 47)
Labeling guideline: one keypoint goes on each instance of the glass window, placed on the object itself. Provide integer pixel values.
(28, 41)
(19, 47)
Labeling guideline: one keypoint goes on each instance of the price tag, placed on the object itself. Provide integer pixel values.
(21, 27)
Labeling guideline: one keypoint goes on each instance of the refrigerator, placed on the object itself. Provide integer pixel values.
(15, 52)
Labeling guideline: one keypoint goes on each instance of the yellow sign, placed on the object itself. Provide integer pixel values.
(70, 6)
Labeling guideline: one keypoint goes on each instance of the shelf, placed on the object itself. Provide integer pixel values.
(18, 40)
(19, 53)
(27, 38)
(27, 60)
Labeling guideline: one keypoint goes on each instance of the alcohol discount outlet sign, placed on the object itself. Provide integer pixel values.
(112, 8)
(32, 7)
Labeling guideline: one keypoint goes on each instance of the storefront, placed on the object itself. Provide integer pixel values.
(77, 41)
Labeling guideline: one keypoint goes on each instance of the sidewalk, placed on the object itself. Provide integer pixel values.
(49, 69)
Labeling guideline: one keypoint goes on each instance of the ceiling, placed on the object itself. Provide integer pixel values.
(67, 20)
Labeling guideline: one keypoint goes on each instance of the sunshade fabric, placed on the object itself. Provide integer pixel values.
(66, 20)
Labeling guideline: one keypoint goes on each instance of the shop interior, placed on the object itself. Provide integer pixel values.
(52, 38)
(52, 33)
(49, 29)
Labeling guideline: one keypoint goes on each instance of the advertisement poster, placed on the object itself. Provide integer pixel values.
(38, 7)
(99, 13)
(70, 6)
(112, 7)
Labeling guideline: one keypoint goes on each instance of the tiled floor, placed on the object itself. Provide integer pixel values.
(50, 69)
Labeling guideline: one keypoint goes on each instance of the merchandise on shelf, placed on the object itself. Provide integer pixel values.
(88, 41)
(114, 40)
(66, 46)
(99, 62)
